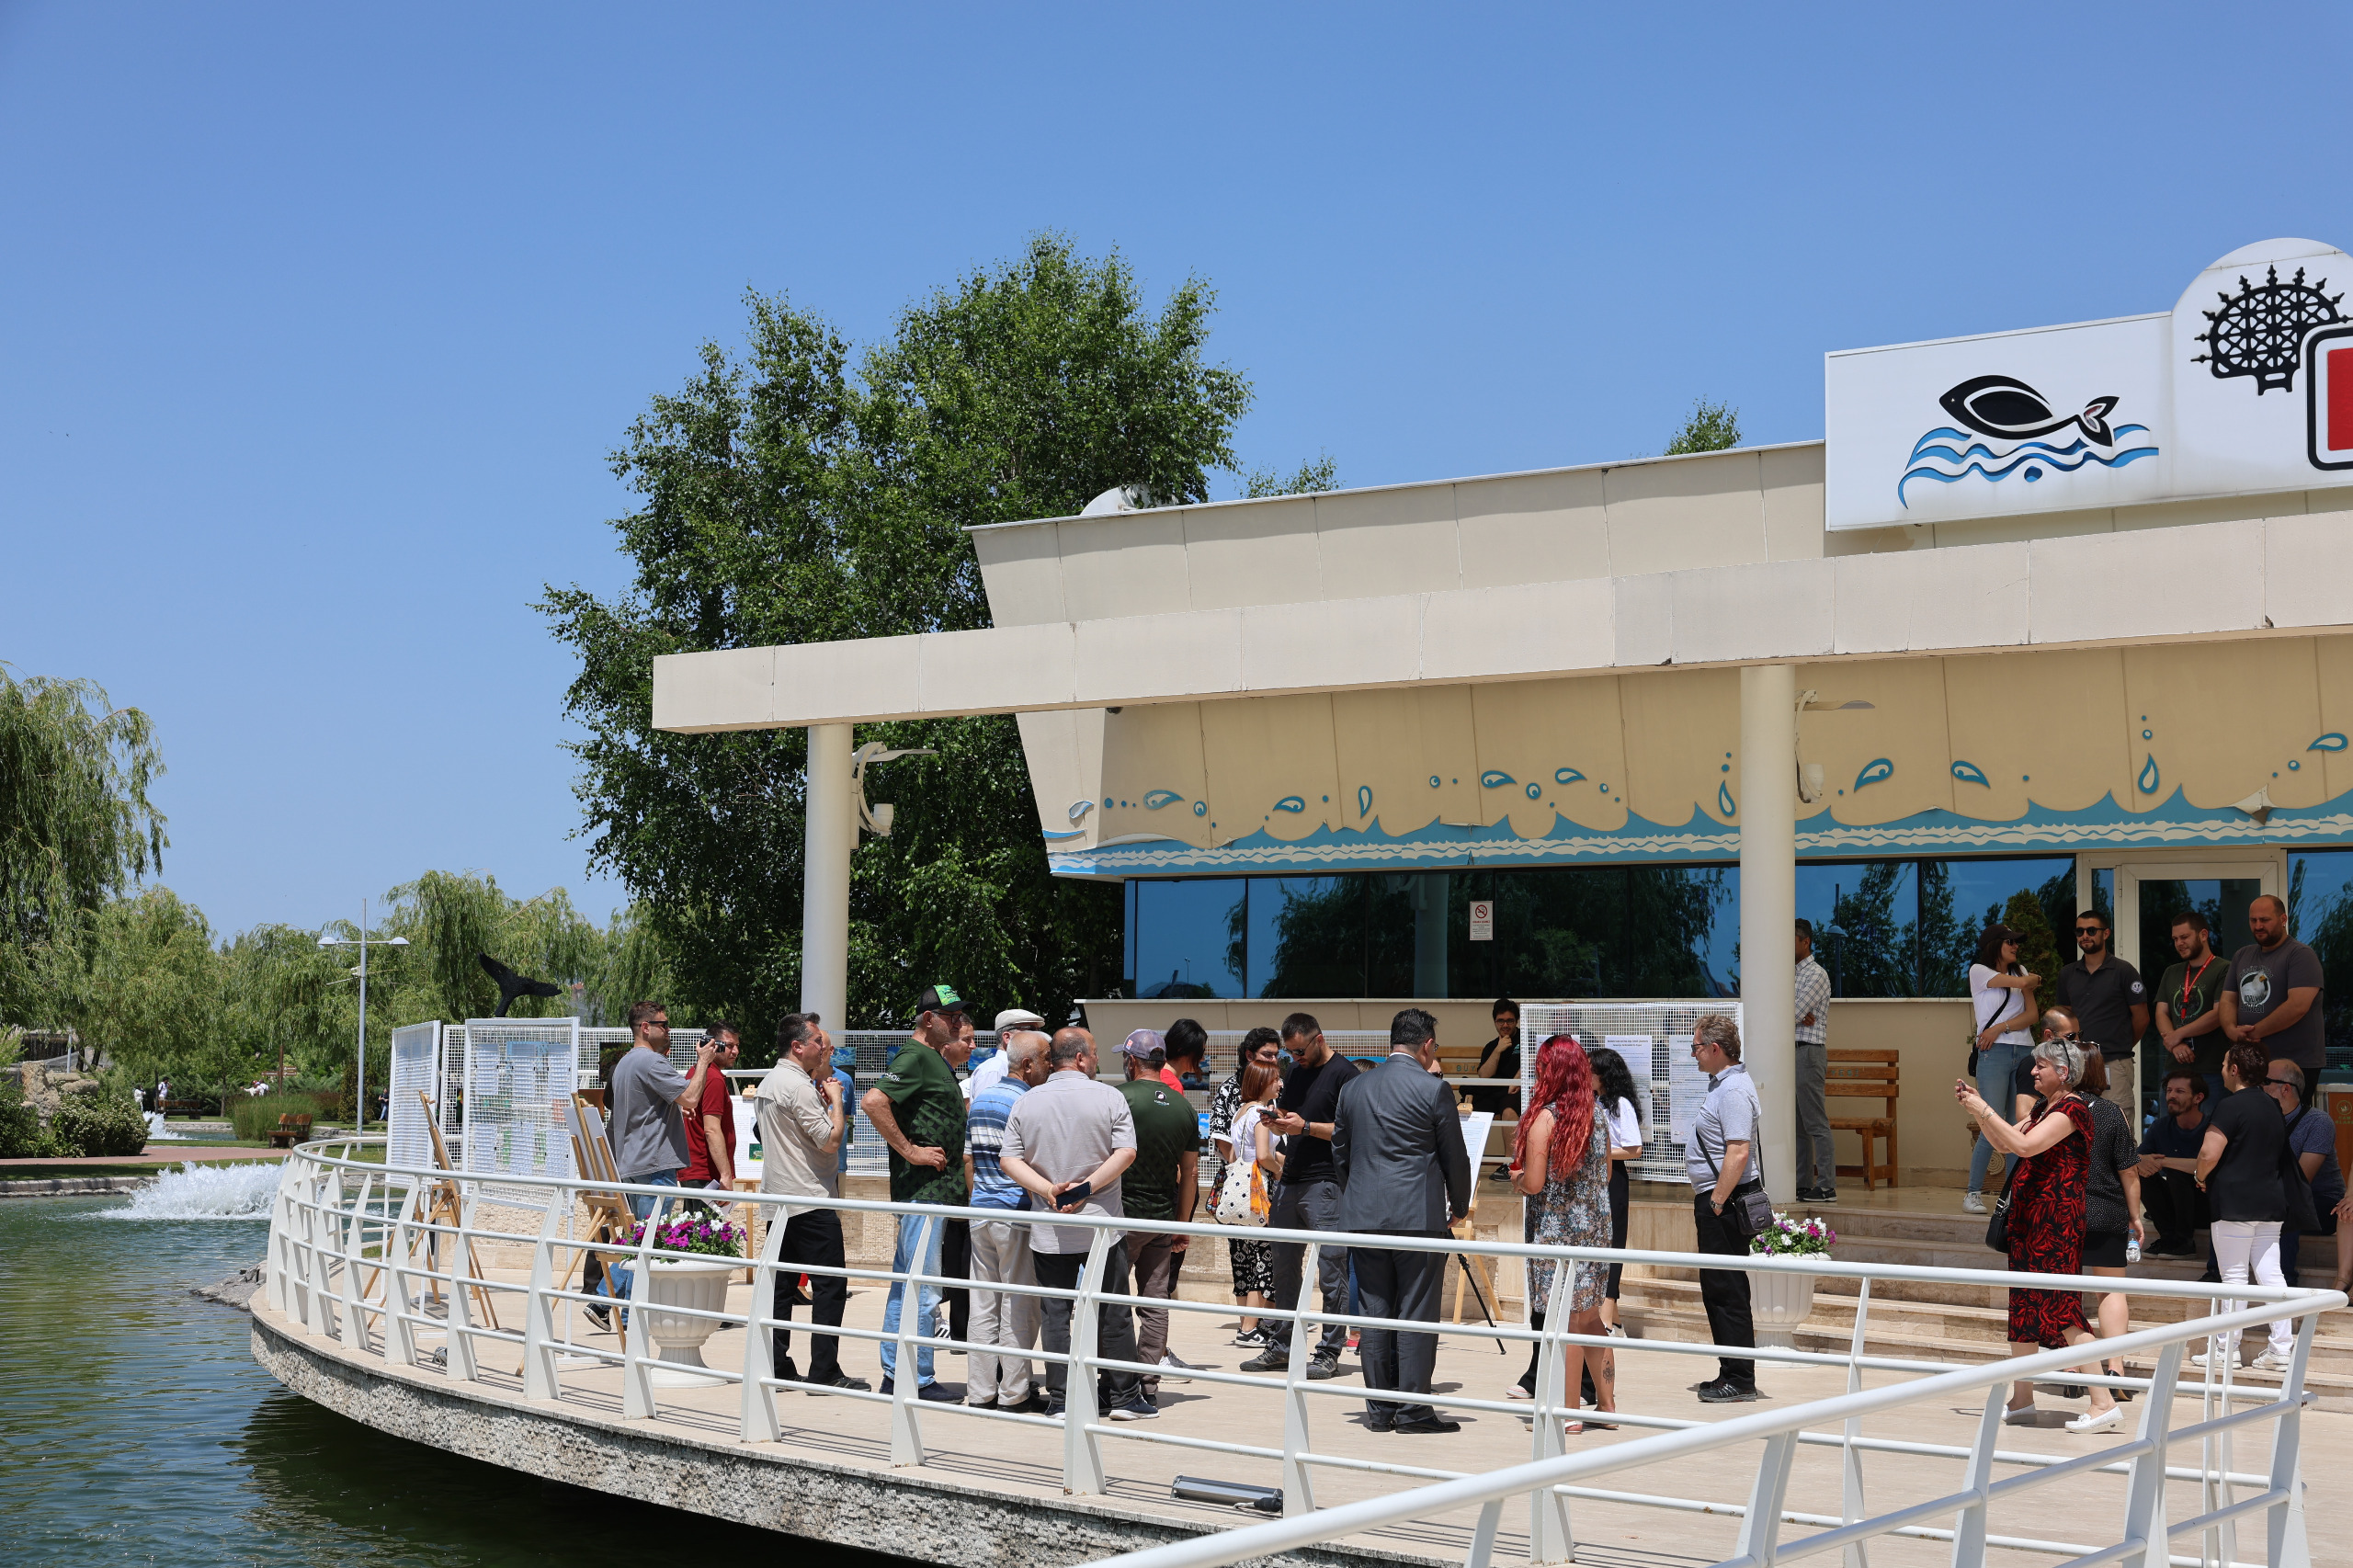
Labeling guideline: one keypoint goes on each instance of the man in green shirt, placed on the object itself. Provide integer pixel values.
(920, 1111)
(2189, 1028)
(1161, 1185)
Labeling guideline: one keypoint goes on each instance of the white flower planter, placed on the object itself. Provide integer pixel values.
(696, 1282)
(1778, 1303)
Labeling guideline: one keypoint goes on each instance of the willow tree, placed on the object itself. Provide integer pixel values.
(77, 827)
(800, 491)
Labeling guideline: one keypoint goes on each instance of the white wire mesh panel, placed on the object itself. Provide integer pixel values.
(515, 1070)
(416, 1069)
(1673, 1086)
(449, 1104)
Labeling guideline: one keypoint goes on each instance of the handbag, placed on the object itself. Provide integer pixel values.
(1749, 1212)
(1242, 1198)
(1997, 1229)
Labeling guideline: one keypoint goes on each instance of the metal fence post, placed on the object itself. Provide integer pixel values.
(1760, 1532)
(350, 1245)
(1082, 1450)
(2286, 1545)
(1968, 1526)
(1850, 1494)
(538, 1318)
(1482, 1539)
(459, 1344)
(281, 1234)
(907, 1437)
(637, 1340)
(759, 1423)
(1299, 1491)
(1551, 1537)
(400, 1333)
(2145, 1490)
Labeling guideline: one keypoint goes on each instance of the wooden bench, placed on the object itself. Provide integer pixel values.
(290, 1129)
(1870, 1075)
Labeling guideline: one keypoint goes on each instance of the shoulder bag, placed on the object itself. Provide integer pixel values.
(1242, 1196)
(1749, 1212)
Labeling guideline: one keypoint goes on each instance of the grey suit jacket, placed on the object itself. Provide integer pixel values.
(1397, 1146)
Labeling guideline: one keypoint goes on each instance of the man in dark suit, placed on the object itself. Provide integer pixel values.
(1397, 1147)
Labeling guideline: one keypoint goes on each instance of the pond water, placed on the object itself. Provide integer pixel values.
(135, 1426)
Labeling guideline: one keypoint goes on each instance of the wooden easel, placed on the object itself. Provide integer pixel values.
(592, 1157)
(446, 1207)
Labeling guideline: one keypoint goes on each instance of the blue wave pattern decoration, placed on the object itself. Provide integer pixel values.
(1932, 458)
(1156, 799)
(1291, 803)
(2174, 823)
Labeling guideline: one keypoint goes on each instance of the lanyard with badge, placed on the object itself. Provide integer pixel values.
(2188, 982)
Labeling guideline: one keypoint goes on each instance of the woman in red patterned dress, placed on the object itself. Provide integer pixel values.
(2046, 1218)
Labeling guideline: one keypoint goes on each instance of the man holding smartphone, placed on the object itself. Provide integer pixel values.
(1067, 1141)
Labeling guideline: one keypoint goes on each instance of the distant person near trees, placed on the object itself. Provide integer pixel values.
(2188, 1005)
(920, 1111)
(711, 1132)
(803, 1120)
(1817, 1157)
(2001, 994)
(1309, 1197)
(2272, 998)
(1163, 1184)
(2111, 1004)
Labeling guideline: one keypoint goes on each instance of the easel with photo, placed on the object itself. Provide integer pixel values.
(445, 1207)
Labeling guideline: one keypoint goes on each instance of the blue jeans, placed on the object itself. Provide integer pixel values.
(616, 1278)
(1995, 1065)
(903, 1261)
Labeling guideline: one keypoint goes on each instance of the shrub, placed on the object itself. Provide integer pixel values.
(22, 1136)
(255, 1117)
(99, 1124)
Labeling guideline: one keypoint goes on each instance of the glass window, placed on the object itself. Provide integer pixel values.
(1307, 935)
(2320, 915)
(1959, 898)
(1866, 917)
(1185, 937)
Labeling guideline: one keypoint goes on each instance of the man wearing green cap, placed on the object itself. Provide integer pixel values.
(920, 1111)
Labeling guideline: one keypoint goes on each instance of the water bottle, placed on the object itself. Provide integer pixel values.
(2131, 1249)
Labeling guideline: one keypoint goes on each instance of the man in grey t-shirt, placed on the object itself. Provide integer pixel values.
(649, 1135)
(2272, 997)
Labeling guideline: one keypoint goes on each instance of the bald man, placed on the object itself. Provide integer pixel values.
(2272, 997)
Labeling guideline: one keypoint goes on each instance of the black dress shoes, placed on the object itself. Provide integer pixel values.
(1428, 1423)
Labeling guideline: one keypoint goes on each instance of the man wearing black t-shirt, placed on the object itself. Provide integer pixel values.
(2108, 999)
(2168, 1165)
(1308, 1198)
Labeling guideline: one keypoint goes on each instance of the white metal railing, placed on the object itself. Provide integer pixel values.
(355, 1245)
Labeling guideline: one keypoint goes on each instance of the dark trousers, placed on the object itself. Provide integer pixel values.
(956, 1263)
(811, 1236)
(2170, 1201)
(1309, 1206)
(2288, 1239)
(1115, 1331)
(1398, 1285)
(1724, 1291)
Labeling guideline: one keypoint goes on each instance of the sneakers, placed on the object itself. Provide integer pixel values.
(1250, 1338)
(2269, 1361)
(1323, 1366)
(1723, 1391)
(1972, 1203)
(1036, 1404)
(1273, 1358)
(2097, 1420)
(1137, 1409)
(935, 1392)
(2020, 1415)
(1817, 1194)
(2230, 1357)
(1171, 1370)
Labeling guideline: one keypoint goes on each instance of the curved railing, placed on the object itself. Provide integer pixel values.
(355, 1245)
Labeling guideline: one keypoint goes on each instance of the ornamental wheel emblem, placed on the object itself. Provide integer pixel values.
(2259, 331)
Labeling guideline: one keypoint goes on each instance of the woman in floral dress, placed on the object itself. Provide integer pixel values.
(2046, 1217)
(1561, 1162)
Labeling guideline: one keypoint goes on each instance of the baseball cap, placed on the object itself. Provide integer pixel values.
(940, 999)
(1017, 1019)
(1144, 1042)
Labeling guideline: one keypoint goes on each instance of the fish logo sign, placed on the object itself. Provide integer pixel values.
(2005, 422)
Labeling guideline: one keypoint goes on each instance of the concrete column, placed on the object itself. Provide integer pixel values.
(1768, 901)
(1430, 934)
(832, 828)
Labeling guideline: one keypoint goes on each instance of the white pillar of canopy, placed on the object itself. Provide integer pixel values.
(832, 829)
(1768, 888)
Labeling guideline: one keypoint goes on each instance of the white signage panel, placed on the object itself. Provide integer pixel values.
(2231, 392)
(1483, 920)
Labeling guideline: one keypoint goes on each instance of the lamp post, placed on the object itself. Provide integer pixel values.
(363, 942)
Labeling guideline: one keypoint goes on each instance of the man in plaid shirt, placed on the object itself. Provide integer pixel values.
(1817, 1165)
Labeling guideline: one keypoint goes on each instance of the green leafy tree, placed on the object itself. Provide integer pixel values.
(149, 990)
(1708, 428)
(1310, 478)
(76, 826)
(799, 492)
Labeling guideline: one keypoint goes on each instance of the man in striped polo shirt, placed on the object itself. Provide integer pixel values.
(1001, 1247)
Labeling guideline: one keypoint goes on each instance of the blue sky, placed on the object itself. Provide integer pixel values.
(316, 323)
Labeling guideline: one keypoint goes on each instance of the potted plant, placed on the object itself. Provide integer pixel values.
(1780, 1301)
(688, 1267)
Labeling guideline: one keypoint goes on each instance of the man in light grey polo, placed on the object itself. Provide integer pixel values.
(801, 1117)
(1720, 1161)
(1071, 1130)
(1817, 1159)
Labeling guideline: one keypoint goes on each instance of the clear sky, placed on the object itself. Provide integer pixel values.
(317, 322)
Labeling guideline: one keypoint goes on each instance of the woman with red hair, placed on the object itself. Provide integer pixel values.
(1561, 1161)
